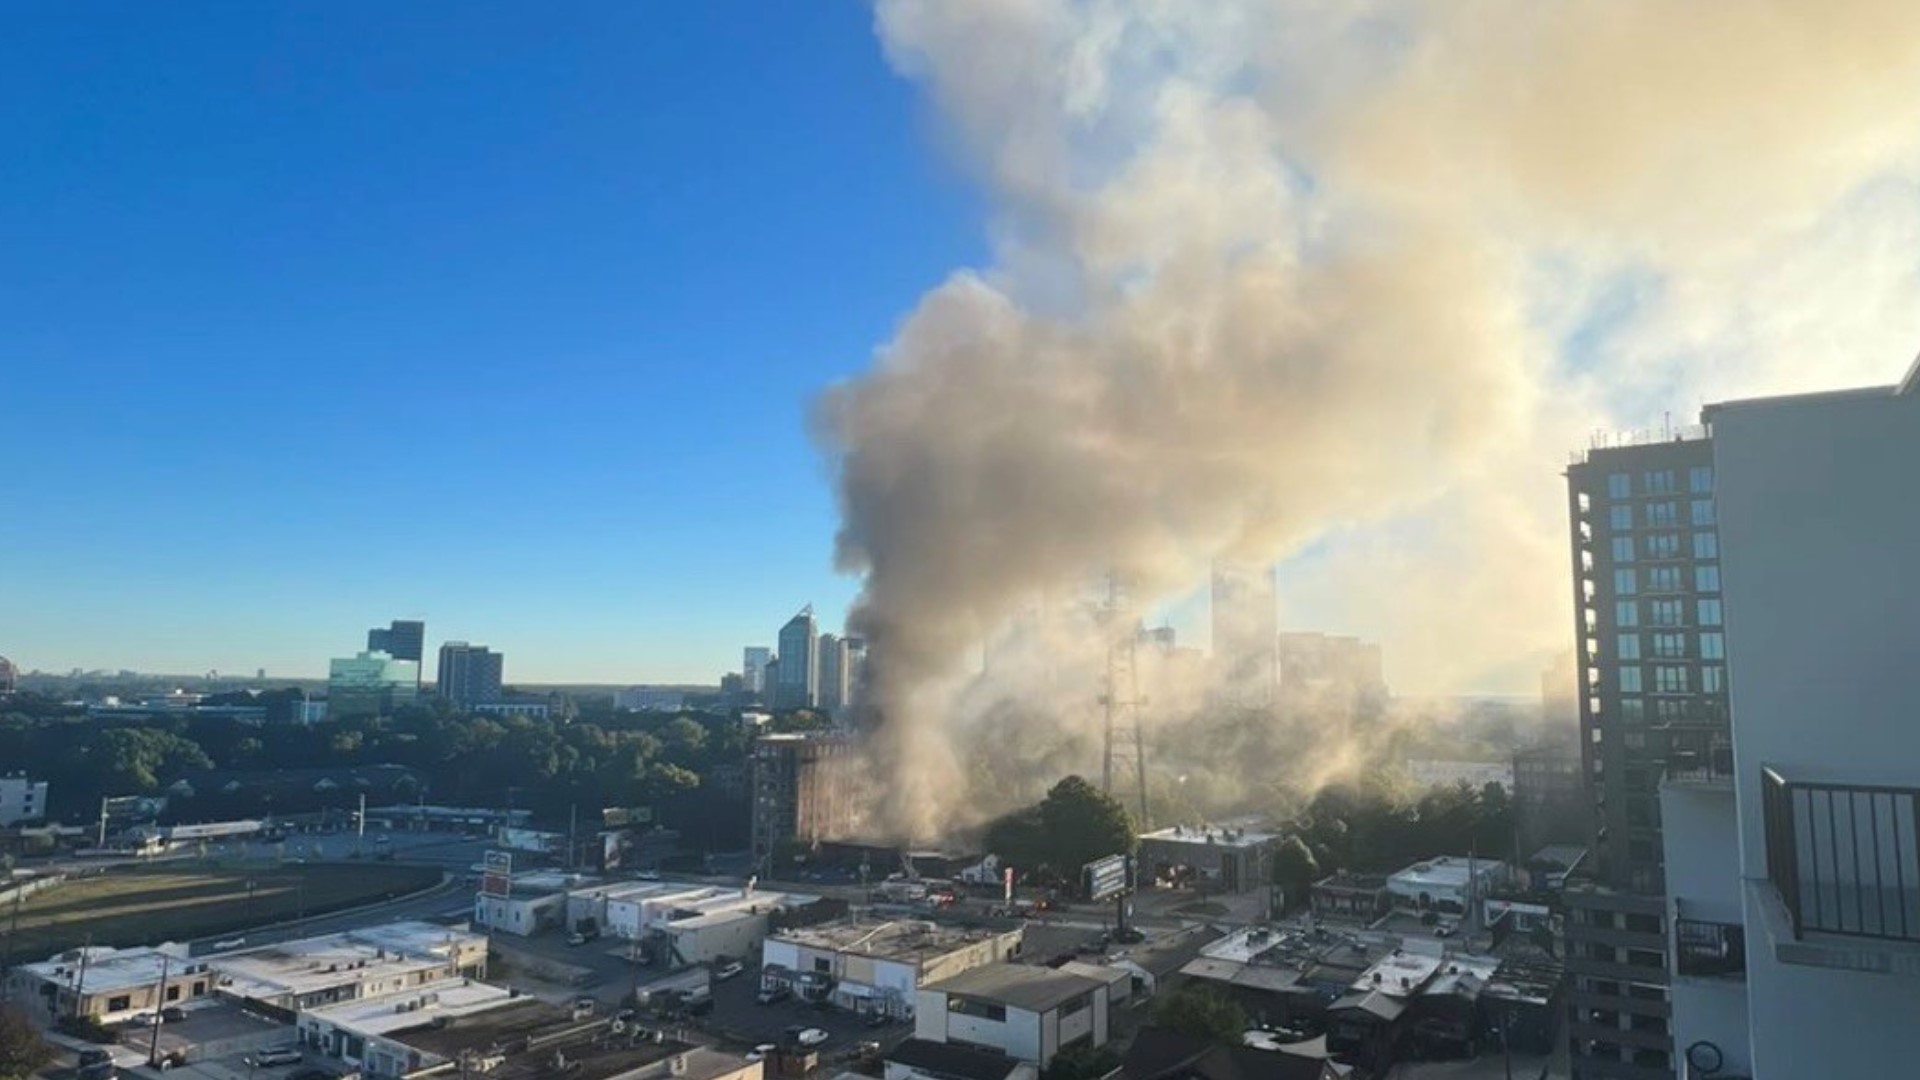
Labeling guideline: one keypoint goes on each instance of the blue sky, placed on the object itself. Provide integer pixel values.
(314, 315)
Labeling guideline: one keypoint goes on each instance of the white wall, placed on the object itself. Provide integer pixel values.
(1819, 517)
(1698, 831)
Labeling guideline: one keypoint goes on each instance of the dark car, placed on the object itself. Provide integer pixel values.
(173, 1014)
(311, 1074)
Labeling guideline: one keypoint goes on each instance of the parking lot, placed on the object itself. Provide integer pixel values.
(739, 1019)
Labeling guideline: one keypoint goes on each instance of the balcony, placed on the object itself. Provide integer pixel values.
(1704, 948)
(1843, 861)
(1709, 768)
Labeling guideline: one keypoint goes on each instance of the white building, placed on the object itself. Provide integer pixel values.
(383, 959)
(1818, 503)
(1442, 883)
(689, 924)
(1027, 1013)
(535, 901)
(110, 984)
(878, 967)
(22, 799)
(360, 1032)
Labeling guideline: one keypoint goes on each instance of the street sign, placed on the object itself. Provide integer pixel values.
(497, 876)
(1105, 878)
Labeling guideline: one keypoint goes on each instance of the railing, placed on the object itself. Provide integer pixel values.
(1844, 857)
(1709, 948)
(1713, 763)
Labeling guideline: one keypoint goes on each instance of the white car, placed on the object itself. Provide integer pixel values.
(278, 1055)
(729, 970)
(230, 943)
(811, 1037)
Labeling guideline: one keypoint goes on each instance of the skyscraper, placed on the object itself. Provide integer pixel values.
(799, 686)
(1245, 629)
(836, 671)
(1652, 691)
(753, 669)
(856, 668)
(402, 639)
(371, 683)
(469, 674)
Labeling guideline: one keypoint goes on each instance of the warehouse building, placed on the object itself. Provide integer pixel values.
(1222, 858)
(878, 967)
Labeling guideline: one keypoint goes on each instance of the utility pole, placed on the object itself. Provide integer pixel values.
(159, 1002)
(101, 841)
(360, 835)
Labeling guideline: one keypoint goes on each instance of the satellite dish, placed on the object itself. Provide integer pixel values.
(1705, 1058)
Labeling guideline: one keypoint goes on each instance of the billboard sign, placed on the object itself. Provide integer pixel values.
(620, 817)
(1103, 879)
(496, 878)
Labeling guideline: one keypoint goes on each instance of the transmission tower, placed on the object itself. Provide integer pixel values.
(1121, 700)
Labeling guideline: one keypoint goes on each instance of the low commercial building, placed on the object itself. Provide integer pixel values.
(687, 924)
(535, 902)
(371, 962)
(878, 968)
(110, 984)
(362, 1033)
(924, 1059)
(526, 1039)
(416, 817)
(1027, 1013)
(1446, 883)
(1361, 897)
(1223, 858)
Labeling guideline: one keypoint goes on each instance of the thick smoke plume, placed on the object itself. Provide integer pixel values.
(1339, 284)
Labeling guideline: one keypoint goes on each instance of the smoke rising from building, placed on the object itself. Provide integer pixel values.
(1345, 280)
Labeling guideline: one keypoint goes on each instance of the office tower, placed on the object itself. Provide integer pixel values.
(799, 672)
(836, 672)
(469, 674)
(753, 668)
(1651, 654)
(1793, 863)
(1245, 627)
(401, 639)
(371, 683)
(856, 669)
(803, 791)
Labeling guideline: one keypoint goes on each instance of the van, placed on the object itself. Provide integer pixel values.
(278, 1055)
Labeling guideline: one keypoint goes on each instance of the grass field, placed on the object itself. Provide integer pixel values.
(148, 905)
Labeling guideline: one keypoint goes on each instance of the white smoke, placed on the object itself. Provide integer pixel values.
(1274, 273)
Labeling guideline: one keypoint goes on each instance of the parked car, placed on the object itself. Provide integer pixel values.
(230, 943)
(878, 1019)
(144, 1019)
(585, 1004)
(276, 1055)
(577, 938)
(729, 969)
(94, 1056)
(810, 1037)
(771, 994)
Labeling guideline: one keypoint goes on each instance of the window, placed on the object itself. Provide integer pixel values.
(1635, 741)
(120, 1003)
(1619, 486)
(1713, 679)
(1706, 579)
(1626, 613)
(1709, 612)
(1620, 518)
(1669, 679)
(1627, 646)
(1629, 680)
(1706, 545)
(1713, 647)
(1663, 546)
(173, 993)
(1668, 712)
(986, 1010)
(1665, 612)
(823, 965)
(1669, 646)
(1633, 710)
(1703, 512)
(1700, 479)
(1660, 482)
(1663, 579)
(1625, 582)
(1623, 549)
(1077, 1005)
(1662, 515)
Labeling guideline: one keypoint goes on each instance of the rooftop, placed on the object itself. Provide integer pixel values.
(397, 1012)
(310, 964)
(1445, 872)
(1035, 989)
(104, 969)
(953, 1059)
(911, 940)
(534, 1040)
(1565, 856)
(1226, 835)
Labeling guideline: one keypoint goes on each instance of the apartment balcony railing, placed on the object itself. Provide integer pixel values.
(1845, 858)
(1709, 948)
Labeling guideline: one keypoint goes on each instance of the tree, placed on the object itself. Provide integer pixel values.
(1082, 1062)
(1074, 825)
(22, 1050)
(1202, 1012)
(1295, 870)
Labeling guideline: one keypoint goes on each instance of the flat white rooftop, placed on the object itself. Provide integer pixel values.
(1217, 835)
(1444, 872)
(357, 956)
(394, 1012)
(105, 969)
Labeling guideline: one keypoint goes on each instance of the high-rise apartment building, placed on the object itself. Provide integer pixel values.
(1245, 629)
(371, 683)
(753, 669)
(1652, 678)
(1793, 864)
(799, 671)
(804, 789)
(402, 639)
(836, 672)
(469, 674)
(9, 676)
